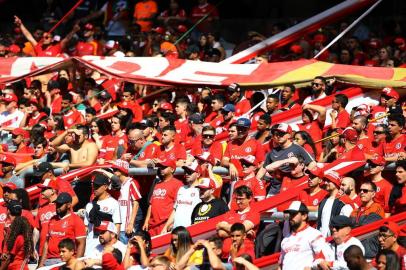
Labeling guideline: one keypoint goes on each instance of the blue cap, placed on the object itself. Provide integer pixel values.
(229, 108)
(243, 122)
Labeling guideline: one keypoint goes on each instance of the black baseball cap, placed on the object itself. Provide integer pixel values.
(63, 198)
(341, 222)
(15, 207)
(42, 168)
(100, 180)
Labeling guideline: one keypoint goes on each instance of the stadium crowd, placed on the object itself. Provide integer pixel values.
(52, 125)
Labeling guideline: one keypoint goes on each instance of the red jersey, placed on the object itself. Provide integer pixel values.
(36, 119)
(176, 152)
(353, 154)
(395, 146)
(85, 48)
(365, 144)
(162, 200)
(70, 226)
(110, 144)
(19, 261)
(315, 132)
(353, 202)
(135, 108)
(256, 185)
(182, 128)
(61, 186)
(289, 183)
(151, 151)
(401, 252)
(343, 119)
(56, 105)
(44, 215)
(71, 118)
(312, 199)
(247, 215)
(217, 121)
(400, 203)
(254, 119)
(211, 116)
(247, 148)
(382, 195)
(50, 50)
(25, 150)
(215, 150)
(200, 11)
(242, 107)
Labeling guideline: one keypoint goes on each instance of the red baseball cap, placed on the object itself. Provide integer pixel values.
(378, 160)
(9, 185)
(206, 183)
(282, 127)
(48, 183)
(390, 92)
(350, 134)
(106, 226)
(20, 131)
(394, 227)
(159, 30)
(166, 106)
(167, 163)
(7, 159)
(333, 177)
(89, 27)
(121, 165)
(206, 157)
(9, 98)
(316, 171)
(193, 167)
(182, 28)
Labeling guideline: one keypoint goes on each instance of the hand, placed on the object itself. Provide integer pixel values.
(129, 229)
(233, 172)
(17, 21)
(126, 156)
(76, 28)
(293, 160)
(239, 260)
(89, 262)
(333, 114)
(65, 167)
(323, 265)
(145, 227)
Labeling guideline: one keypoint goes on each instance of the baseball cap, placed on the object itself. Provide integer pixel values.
(316, 171)
(9, 185)
(296, 206)
(100, 180)
(282, 127)
(9, 97)
(206, 183)
(166, 106)
(63, 198)
(14, 207)
(393, 227)
(390, 92)
(7, 159)
(378, 160)
(234, 87)
(206, 157)
(159, 30)
(181, 28)
(243, 122)
(42, 168)
(56, 38)
(20, 131)
(333, 177)
(193, 167)
(229, 108)
(106, 226)
(89, 27)
(121, 165)
(167, 163)
(48, 183)
(196, 118)
(362, 109)
(248, 160)
(341, 221)
(105, 95)
(110, 44)
(350, 134)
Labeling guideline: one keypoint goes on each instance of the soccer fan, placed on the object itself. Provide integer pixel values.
(67, 254)
(375, 167)
(239, 246)
(32, 115)
(262, 133)
(108, 237)
(195, 123)
(140, 152)
(369, 211)
(210, 206)
(244, 214)
(201, 10)
(394, 149)
(388, 236)
(304, 244)
(215, 118)
(87, 44)
(313, 194)
(20, 139)
(272, 104)
(331, 206)
(340, 227)
(348, 192)
(7, 175)
(397, 199)
(11, 117)
(82, 152)
(340, 118)
(303, 139)
(350, 150)
(186, 199)
(102, 208)
(138, 250)
(380, 134)
(65, 224)
(169, 149)
(145, 12)
(182, 109)
(163, 197)
(287, 98)
(45, 172)
(240, 147)
(228, 113)
(319, 85)
(71, 116)
(236, 95)
(313, 126)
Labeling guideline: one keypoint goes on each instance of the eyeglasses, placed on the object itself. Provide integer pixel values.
(208, 136)
(134, 140)
(384, 236)
(316, 84)
(364, 190)
(378, 132)
(155, 104)
(278, 133)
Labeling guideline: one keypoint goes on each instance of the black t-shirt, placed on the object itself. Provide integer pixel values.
(206, 210)
(293, 150)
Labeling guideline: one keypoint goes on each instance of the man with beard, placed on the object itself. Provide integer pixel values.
(318, 90)
(163, 198)
(304, 244)
(236, 95)
(348, 192)
(140, 152)
(65, 224)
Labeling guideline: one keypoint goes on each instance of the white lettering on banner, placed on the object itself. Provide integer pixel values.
(25, 65)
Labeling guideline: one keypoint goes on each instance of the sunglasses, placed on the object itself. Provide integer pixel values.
(378, 132)
(316, 84)
(278, 133)
(208, 136)
(364, 190)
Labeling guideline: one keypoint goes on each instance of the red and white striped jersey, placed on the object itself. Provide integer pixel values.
(129, 193)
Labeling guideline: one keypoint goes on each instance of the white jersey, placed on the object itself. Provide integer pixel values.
(11, 119)
(108, 206)
(129, 192)
(336, 253)
(97, 253)
(186, 200)
(300, 249)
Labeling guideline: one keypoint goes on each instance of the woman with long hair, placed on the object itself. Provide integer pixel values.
(303, 139)
(99, 128)
(387, 259)
(19, 245)
(331, 146)
(397, 198)
(181, 241)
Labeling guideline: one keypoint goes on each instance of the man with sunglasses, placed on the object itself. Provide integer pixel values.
(318, 90)
(388, 240)
(340, 227)
(374, 173)
(304, 244)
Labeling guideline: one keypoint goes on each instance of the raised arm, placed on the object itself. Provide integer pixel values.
(27, 34)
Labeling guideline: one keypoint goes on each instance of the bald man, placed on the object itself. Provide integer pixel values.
(355, 259)
(348, 193)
